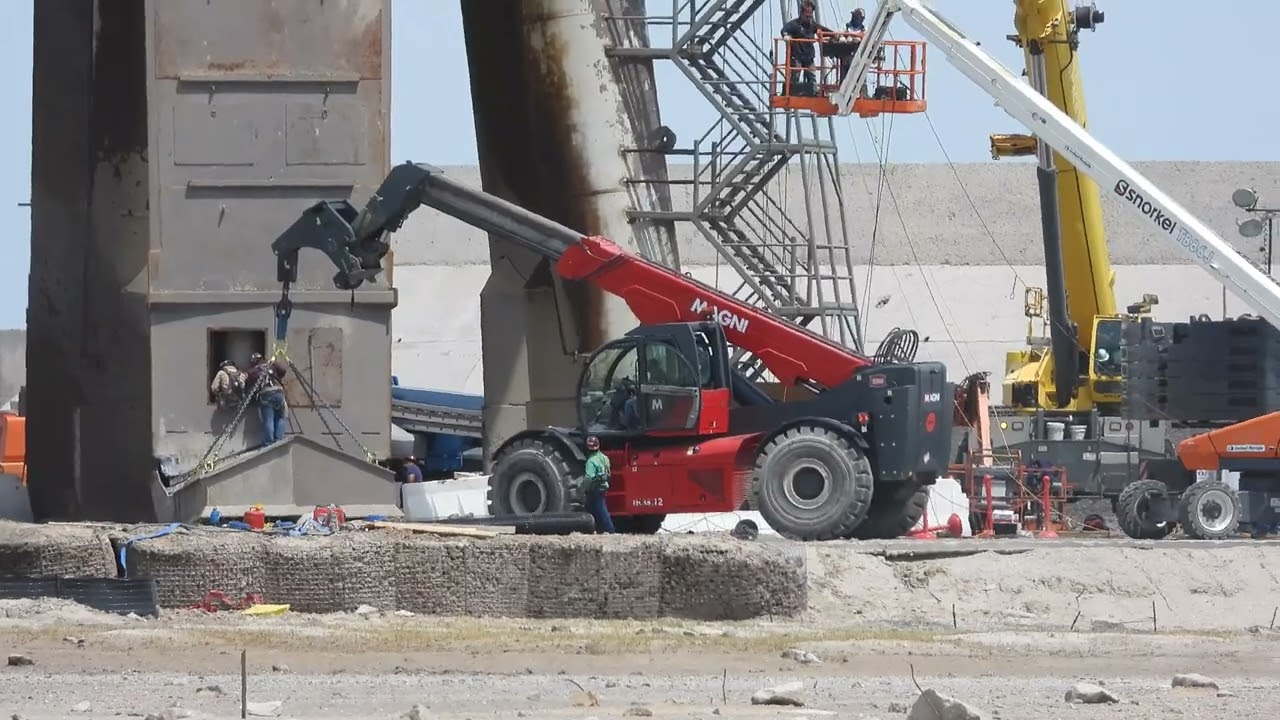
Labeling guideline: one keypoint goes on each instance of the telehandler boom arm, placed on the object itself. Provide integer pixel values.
(357, 242)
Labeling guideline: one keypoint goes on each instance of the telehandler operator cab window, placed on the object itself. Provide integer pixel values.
(631, 386)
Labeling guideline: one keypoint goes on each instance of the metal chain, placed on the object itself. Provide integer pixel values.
(319, 402)
(210, 459)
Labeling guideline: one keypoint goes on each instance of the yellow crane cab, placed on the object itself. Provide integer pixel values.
(894, 84)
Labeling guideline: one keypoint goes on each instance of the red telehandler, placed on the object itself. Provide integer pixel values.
(684, 431)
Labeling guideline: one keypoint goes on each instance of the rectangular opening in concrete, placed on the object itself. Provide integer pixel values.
(234, 344)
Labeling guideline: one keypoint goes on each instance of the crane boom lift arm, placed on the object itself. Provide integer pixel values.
(357, 241)
(1055, 128)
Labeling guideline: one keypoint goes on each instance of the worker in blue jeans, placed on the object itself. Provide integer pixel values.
(268, 377)
(595, 483)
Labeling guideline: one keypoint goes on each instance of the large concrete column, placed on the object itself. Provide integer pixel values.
(172, 141)
(88, 432)
(552, 126)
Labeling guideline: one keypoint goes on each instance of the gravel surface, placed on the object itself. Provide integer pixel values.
(1032, 619)
(380, 665)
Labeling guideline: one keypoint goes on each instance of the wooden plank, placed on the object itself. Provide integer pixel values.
(476, 531)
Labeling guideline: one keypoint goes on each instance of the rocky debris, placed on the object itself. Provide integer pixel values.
(899, 708)
(786, 694)
(586, 698)
(19, 660)
(804, 657)
(404, 613)
(933, 705)
(638, 711)
(268, 708)
(417, 712)
(214, 690)
(171, 713)
(366, 611)
(1193, 680)
(1226, 694)
(280, 668)
(1090, 694)
(77, 641)
(81, 707)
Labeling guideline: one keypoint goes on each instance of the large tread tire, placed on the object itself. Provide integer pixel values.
(1131, 515)
(1196, 512)
(895, 509)
(531, 477)
(812, 483)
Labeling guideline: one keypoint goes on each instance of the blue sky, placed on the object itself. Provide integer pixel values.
(1158, 73)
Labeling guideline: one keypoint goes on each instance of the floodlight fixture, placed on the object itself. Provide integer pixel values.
(1245, 198)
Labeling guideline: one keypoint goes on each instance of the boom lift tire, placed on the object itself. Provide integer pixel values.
(812, 483)
(530, 477)
(1210, 510)
(894, 511)
(1131, 510)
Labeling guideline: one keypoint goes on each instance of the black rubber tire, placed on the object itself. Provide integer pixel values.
(895, 509)
(837, 509)
(1131, 516)
(530, 477)
(639, 524)
(1192, 520)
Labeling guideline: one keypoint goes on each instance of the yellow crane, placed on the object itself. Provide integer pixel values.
(1077, 366)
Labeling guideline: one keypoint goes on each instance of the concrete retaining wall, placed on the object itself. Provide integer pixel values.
(540, 577)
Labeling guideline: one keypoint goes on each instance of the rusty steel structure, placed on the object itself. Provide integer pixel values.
(794, 261)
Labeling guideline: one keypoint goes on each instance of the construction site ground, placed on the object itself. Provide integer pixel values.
(1007, 631)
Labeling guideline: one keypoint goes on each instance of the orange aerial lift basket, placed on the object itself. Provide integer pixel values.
(894, 84)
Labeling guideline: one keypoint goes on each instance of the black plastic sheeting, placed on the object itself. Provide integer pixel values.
(120, 596)
(562, 523)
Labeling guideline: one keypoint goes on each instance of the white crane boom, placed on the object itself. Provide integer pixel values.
(1056, 129)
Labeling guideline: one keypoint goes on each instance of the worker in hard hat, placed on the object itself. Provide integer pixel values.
(595, 483)
(409, 471)
(227, 385)
(267, 377)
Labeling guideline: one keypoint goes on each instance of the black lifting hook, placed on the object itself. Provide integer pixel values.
(284, 309)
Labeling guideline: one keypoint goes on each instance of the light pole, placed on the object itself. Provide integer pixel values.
(1260, 222)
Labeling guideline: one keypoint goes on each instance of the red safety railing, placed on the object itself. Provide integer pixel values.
(895, 83)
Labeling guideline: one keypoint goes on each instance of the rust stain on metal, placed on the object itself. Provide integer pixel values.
(369, 58)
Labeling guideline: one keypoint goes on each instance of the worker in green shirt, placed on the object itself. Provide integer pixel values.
(595, 483)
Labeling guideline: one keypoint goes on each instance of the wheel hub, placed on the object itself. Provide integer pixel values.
(526, 495)
(808, 485)
(1212, 511)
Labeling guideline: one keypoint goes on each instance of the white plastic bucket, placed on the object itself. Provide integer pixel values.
(1055, 430)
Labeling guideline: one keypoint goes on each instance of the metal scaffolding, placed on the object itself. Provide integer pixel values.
(794, 261)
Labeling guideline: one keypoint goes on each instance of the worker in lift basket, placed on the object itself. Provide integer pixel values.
(801, 33)
(595, 483)
(274, 411)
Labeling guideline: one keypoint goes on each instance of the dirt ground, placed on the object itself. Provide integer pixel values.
(875, 620)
